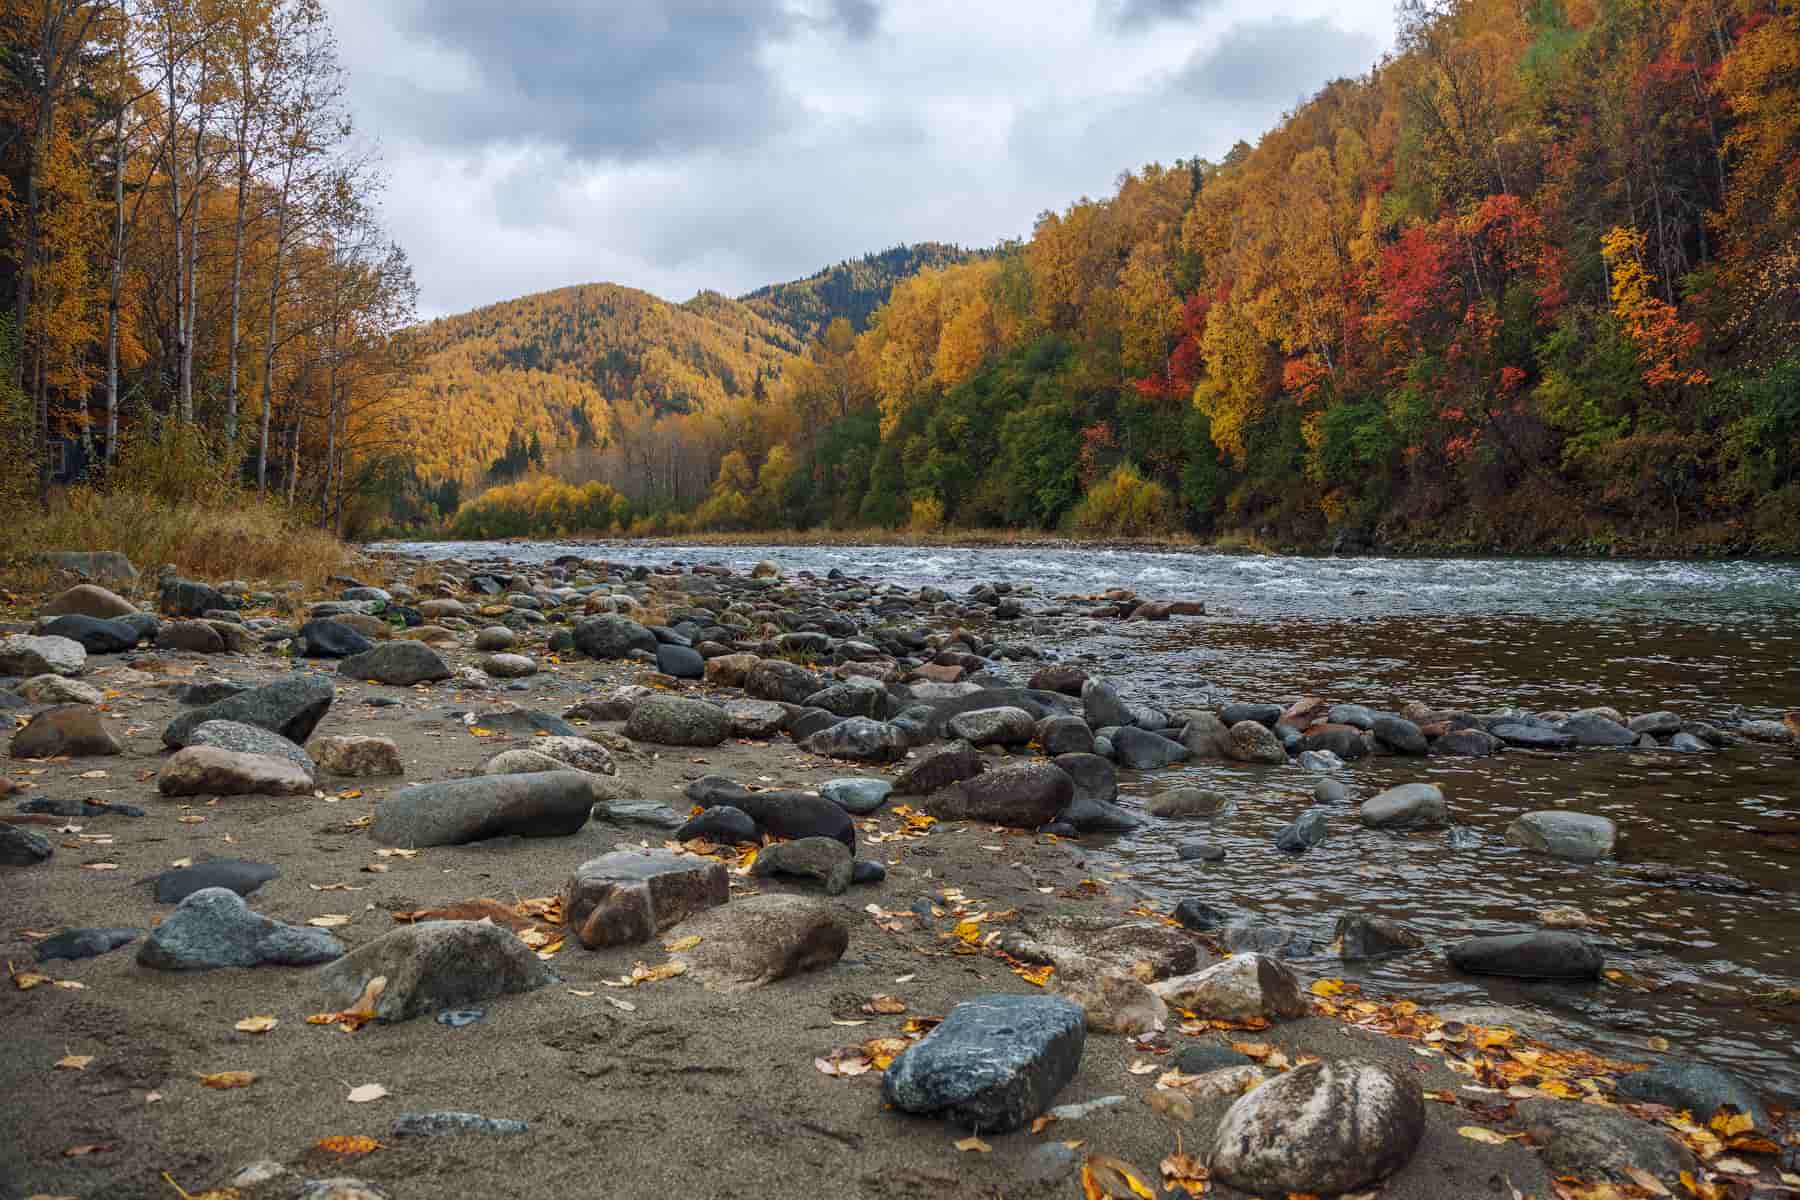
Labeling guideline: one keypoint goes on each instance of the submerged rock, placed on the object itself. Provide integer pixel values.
(1581, 837)
(1541, 954)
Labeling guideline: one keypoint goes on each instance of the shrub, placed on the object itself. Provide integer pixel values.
(541, 504)
(1125, 504)
(927, 515)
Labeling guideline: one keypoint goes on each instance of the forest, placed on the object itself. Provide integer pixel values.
(203, 302)
(1532, 284)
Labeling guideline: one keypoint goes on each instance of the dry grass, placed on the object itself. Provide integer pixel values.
(242, 538)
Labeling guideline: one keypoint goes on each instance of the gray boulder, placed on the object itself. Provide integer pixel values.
(1101, 705)
(1185, 802)
(291, 707)
(630, 896)
(1064, 735)
(612, 636)
(433, 966)
(75, 730)
(24, 654)
(1582, 837)
(1409, 806)
(1308, 831)
(778, 679)
(993, 1065)
(761, 939)
(1242, 988)
(95, 635)
(457, 811)
(939, 769)
(1025, 796)
(1206, 736)
(1142, 750)
(677, 721)
(1322, 1128)
(1700, 1088)
(214, 928)
(1254, 742)
(859, 739)
(1588, 1141)
(398, 664)
(251, 739)
(210, 771)
(995, 727)
(857, 796)
(1540, 954)
(824, 859)
(1595, 730)
(21, 847)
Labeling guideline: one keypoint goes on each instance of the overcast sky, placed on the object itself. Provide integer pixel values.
(675, 145)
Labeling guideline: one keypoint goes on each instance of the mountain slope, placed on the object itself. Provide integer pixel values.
(854, 288)
(552, 365)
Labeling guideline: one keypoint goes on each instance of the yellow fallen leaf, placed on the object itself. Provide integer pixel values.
(257, 1024)
(74, 1062)
(1326, 987)
(1186, 1172)
(1476, 1133)
(579, 992)
(478, 731)
(226, 1080)
(349, 1145)
(364, 1093)
(26, 980)
(100, 866)
(1728, 1123)
(71, 985)
(682, 943)
(329, 920)
(884, 1006)
(974, 1144)
(1106, 1178)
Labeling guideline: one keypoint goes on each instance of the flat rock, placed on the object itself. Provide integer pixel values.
(238, 875)
(781, 814)
(25, 654)
(449, 1124)
(94, 634)
(628, 897)
(824, 859)
(457, 811)
(210, 771)
(993, 1065)
(76, 730)
(1591, 1142)
(760, 939)
(251, 739)
(1409, 806)
(435, 965)
(214, 928)
(1533, 737)
(84, 943)
(399, 664)
(1581, 837)
(292, 707)
(1540, 954)
(1595, 730)
(758, 720)
(59, 689)
(1322, 1128)
(1243, 987)
(859, 739)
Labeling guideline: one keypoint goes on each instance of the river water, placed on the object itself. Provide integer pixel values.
(1711, 641)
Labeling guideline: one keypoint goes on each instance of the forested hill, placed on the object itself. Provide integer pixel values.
(853, 289)
(553, 368)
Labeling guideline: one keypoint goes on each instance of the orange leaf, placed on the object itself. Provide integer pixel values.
(225, 1080)
(349, 1145)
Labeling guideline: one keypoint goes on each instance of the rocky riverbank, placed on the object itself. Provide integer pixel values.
(623, 881)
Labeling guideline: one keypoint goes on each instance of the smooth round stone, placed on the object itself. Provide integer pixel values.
(1199, 852)
(495, 638)
(509, 666)
(1323, 1128)
(858, 796)
(1581, 837)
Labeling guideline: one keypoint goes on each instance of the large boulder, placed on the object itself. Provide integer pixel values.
(1540, 954)
(821, 858)
(993, 1065)
(1025, 796)
(24, 654)
(324, 637)
(291, 707)
(630, 896)
(357, 756)
(96, 635)
(399, 664)
(1101, 705)
(1206, 736)
(1592, 729)
(457, 811)
(214, 928)
(1142, 750)
(1582, 837)
(251, 739)
(779, 814)
(852, 698)
(760, 939)
(778, 679)
(1064, 735)
(1700, 1088)
(1185, 802)
(859, 739)
(210, 771)
(1409, 806)
(107, 567)
(612, 636)
(1321, 1129)
(432, 966)
(75, 730)
(1244, 987)
(186, 598)
(677, 721)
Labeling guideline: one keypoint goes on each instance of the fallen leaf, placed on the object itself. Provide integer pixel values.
(330, 921)
(682, 943)
(364, 1093)
(74, 1062)
(99, 866)
(1106, 1178)
(152, 1097)
(1186, 1172)
(1327, 987)
(1476, 1133)
(26, 980)
(258, 1024)
(884, 1006)
(973, 1144)
(349, 1145)
(578, 992)
(86, 1149)
(621, 1005)
(392, 852)
(226, 1080)
(1143, 1067)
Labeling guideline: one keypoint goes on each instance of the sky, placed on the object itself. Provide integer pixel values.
(679, 145)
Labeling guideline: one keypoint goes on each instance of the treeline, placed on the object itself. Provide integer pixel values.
(852, 289)
(1532, 283)
(197, 278)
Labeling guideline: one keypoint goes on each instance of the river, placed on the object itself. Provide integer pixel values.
(1711, 641)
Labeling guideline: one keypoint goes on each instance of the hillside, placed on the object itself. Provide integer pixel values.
(550, 367)
(853, 289)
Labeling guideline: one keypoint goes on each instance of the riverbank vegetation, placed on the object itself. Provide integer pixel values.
(1531, 283)
(197, 280)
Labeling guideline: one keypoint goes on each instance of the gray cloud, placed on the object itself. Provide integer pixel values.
(1255, 63)
(1141, 14)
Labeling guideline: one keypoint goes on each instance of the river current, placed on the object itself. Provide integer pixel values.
(1710, 641)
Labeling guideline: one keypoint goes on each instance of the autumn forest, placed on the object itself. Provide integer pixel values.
(1530, 284)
